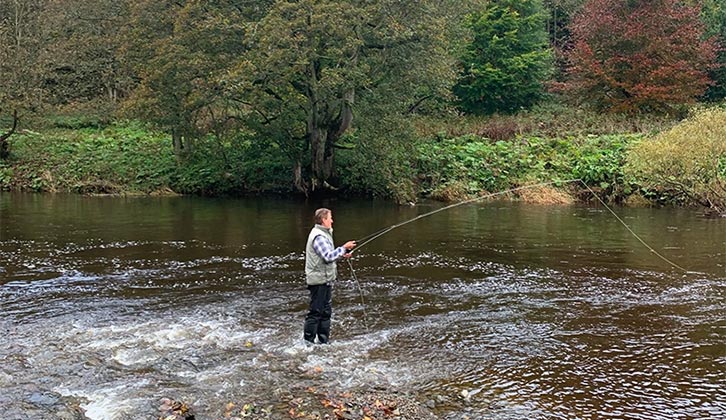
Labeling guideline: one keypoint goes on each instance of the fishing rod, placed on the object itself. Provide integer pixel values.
(375, 235)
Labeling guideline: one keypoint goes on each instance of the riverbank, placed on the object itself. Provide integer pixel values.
(450, 162)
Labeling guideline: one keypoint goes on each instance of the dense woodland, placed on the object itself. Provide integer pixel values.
(353, 95)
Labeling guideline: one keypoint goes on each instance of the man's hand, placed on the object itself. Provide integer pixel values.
(349, 245)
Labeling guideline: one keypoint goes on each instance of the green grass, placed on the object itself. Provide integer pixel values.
(119, 158)
(129, 158)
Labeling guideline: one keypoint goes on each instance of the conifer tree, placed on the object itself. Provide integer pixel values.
(504, 67)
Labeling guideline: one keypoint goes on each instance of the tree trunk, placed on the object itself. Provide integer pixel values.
(324, 137)
(325, 126)
(318, 137)
(176, 140)
(299, 183)
(4, 146)
(4, 150)
(188, 145)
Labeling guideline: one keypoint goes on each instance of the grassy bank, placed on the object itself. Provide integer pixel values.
(451, 159)
(130, 158)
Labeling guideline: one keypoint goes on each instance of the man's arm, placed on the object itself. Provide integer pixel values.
(325, 249)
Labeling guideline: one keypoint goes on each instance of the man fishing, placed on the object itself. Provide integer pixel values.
(320, 272)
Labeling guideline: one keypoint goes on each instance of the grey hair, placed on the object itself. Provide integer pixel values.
(320, 214)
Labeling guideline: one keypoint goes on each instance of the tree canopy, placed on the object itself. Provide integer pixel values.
(304, 80)
(714, 17)
(640, 55)
(504, 67)
(316, 65)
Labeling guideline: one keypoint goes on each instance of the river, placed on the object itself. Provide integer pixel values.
(495, 310)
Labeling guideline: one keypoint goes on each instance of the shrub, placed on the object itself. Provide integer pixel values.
(380, 160)
(687, 162)
(456, 167)
(128, 156)
(599, 163)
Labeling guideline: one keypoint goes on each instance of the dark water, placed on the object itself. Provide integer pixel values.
(108, 304)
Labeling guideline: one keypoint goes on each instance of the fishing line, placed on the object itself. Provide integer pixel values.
(367, 239)
(631, 230)
(461, 203)
(360, 291)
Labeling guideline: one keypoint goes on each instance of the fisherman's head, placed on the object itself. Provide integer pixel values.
(324, 217)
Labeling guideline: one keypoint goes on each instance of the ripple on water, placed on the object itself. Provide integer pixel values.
(522, 341)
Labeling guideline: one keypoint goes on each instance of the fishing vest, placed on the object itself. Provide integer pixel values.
(317, 271)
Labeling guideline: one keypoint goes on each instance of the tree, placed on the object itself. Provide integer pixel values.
(56, 52)
(560, 13)
(504, 67)
(4, 146)
(80, 60)
(180, 52)
(22, 36)
(639, 55)
(714, 15)
(314, 63)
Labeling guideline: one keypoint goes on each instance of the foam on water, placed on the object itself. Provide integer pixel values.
(111, 403)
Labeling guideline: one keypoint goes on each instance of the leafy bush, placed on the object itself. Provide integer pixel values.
(6, 175)
(687, 162)
(381, 160)
(599, 162)
(469, 164)
(119, 158)
(241, 165)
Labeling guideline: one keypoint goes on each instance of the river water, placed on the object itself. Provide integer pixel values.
(109, 304)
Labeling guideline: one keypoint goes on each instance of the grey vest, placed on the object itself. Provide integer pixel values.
(317, 271)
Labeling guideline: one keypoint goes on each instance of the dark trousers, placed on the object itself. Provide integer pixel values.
(317, 321)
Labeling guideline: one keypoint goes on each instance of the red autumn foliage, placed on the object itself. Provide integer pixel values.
(634, 55)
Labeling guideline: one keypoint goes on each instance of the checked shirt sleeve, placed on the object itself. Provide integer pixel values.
(325, 249)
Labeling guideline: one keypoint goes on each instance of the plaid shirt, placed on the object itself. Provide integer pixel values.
(324, 248)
